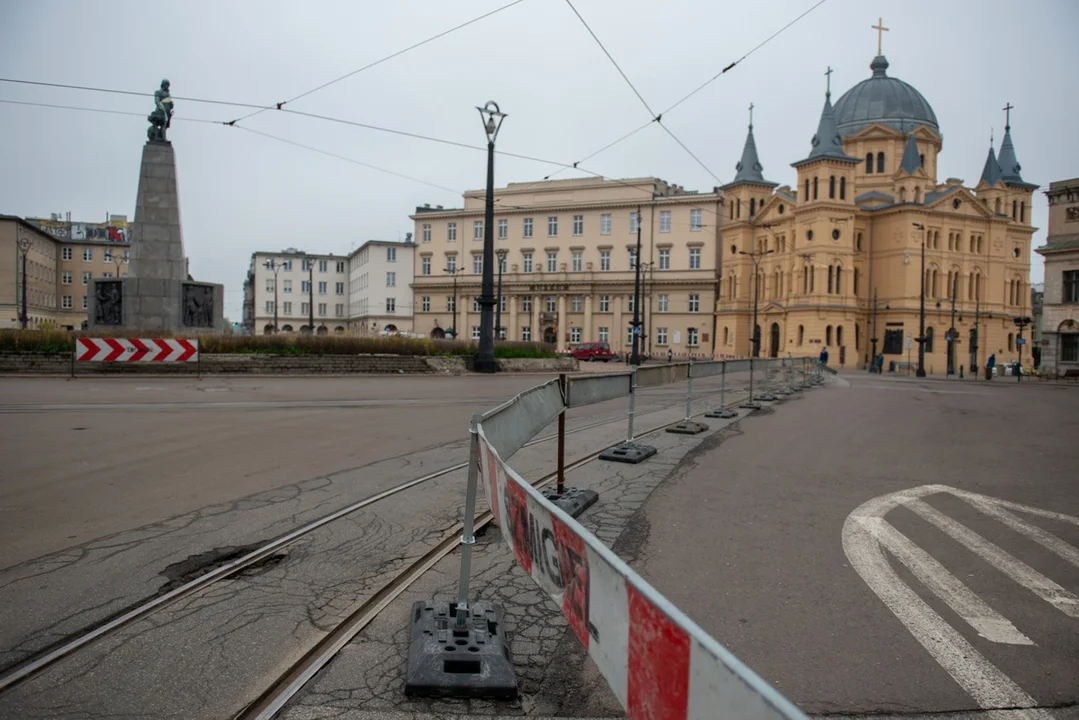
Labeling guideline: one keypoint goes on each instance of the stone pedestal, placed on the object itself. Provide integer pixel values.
(156, 294)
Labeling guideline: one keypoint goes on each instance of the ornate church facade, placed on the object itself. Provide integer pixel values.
(837, 261)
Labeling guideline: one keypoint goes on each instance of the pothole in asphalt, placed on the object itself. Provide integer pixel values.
(198, 565)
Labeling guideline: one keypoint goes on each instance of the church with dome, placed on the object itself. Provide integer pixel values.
(836, 261)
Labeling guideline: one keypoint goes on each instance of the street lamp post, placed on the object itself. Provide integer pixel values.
(977, 331)
(873, 359)
(1021, 322)
(485, 358)
(498, 308)
(455, 271)
(635, 356)
(119, 260)
(952, 331)
(25, 243)
(275, 267)
(310, 296)
(921, 311)
(755, 348)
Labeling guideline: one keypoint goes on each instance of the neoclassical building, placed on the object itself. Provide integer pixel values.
(834, 261)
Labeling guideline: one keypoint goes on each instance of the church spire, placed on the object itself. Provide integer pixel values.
(749, 167)
(827, 143)
(912, 160)
(991, 172)
(1009, 164)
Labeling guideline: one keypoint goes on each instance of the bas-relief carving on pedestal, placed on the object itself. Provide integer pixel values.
(108, 302)
(198, 306)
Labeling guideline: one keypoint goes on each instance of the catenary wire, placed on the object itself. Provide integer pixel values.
(100, 110)
(279, 105)
(696, 90)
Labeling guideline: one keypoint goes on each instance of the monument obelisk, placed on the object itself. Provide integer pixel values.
(157, 293)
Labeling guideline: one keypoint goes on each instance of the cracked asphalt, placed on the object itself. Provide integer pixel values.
(210, 654)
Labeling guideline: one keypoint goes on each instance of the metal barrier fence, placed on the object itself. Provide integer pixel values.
(656, 660)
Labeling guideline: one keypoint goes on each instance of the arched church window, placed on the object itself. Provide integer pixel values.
(1023, 211)
(998, 206)
(839, 336)
(1014, 207)
(842, 188)
(807, 190)
(815, 180)
(838, 274)
(869, 163)
(831, 271)
(921, 159)
(752, 206)
(801, 334)
(831, 187)
(828, 336)
(880, 162)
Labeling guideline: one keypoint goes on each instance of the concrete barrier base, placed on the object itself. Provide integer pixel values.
(687, 427)
(573, 501)
(447, 660)
(751, 405)
(722, 414)
(628, 452)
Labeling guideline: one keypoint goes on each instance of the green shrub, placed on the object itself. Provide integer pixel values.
(58, 341)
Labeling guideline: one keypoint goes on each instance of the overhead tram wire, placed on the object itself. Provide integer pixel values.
(368, 66)
(102, 110)
(700, 87)
(326, 118)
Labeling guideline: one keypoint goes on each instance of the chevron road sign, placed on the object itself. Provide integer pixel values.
(170, 350)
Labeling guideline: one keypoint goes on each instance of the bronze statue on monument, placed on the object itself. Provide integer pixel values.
(161, 118)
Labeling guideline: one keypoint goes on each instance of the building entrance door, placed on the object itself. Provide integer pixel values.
(775, 340)
(550, 336)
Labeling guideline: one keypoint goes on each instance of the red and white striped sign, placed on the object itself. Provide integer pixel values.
(136, 350)
(656, 660)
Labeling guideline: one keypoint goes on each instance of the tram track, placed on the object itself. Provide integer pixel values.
(292, 681)
(37, 663)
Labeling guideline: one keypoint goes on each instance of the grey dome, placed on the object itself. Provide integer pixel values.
(885, 100)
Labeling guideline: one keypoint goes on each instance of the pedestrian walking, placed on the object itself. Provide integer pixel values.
(989, 365)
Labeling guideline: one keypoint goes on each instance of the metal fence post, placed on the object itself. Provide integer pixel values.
(689, 390)
(632, 401)
(468, 539)
(562, 437)
(629, 451)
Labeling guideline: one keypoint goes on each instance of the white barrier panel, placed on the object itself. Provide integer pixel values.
(656, 660)
(592, 389)
(521, 418)
(652, 375)
(707, 368)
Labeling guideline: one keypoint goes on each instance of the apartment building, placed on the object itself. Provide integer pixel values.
(62, 258)
(380, 287)
(568, 252)
(293, 289)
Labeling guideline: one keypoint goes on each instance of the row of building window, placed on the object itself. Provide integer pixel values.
(286, 308)
(663, 303)
(528, 226)
(305, 286)
(362, 259)
(323, 265)
(603, 334)
(576, 265)
(809, 283)
(831, 188)
(88, 255)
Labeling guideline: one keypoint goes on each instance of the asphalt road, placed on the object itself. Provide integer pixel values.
(88, 458)
(784, 538)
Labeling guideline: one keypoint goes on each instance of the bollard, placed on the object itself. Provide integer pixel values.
(629, 451)
(432, 669)
(722, 411)
(687, 426)
(573, 501)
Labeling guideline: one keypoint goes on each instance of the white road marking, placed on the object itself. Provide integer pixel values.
(989, 687)
(866, 535)
(985, 620)
(1047, 540)
(1008, 564)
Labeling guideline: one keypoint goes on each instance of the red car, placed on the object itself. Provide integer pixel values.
(592, 351)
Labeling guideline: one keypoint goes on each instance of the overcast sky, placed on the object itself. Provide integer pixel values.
(240, 192)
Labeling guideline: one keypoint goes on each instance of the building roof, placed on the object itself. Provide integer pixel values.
(885, 100)
(911, 161)
(383, 243)
(874, 195)
(749, 167)
(991, 172)
(932, 197)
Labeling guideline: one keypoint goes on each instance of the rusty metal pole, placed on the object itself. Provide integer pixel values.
(562, 437)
